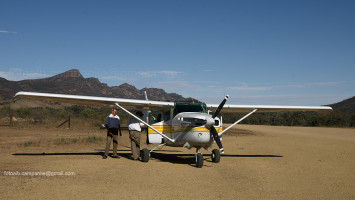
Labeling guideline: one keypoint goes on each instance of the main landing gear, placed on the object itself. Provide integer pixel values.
(215, 155)
(145, 155)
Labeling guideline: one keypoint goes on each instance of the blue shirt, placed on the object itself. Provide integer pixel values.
(112, 121)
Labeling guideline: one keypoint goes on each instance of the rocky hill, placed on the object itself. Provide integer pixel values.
(72, 82)
(346, 106)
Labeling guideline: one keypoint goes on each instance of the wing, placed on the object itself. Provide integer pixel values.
(270, 108)
(98, 101)
(159, 105)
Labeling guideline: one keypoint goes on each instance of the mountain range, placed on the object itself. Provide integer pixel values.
(72, 82)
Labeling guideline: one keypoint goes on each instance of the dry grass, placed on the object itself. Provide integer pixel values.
(260, 163)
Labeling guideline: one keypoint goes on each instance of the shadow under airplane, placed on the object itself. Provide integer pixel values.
(174, 158)
(190, 158)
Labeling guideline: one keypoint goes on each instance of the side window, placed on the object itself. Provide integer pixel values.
(155, 117)
(151, 119)
(166, 116)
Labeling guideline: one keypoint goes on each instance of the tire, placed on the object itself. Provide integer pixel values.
(216, 156)
(145, 155)
(199, 160)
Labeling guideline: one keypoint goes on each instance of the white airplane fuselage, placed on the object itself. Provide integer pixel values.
(187, 129)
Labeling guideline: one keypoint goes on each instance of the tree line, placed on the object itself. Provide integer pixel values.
(333, 119)
(41, 115)
(98, 115)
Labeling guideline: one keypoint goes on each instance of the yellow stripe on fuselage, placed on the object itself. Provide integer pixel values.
(172, 129)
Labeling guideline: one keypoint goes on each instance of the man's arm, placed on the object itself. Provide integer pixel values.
(106, 125)
(142, 125)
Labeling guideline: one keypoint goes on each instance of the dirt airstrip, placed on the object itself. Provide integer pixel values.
(261, 162)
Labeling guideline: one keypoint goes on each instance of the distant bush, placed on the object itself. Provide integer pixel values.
(333, 119)
(87, 113)
(94, 139)
(62, 113)
(5, 111)
(28, 143)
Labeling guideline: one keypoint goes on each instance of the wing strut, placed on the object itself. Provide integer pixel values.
(163, 135)
(237, 122)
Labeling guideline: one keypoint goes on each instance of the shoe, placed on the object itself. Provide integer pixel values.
(104, 157)
(115, 157)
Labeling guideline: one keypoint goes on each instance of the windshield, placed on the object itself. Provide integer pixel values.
(189, 107)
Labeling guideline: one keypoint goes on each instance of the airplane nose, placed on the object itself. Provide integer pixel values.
(209, 121)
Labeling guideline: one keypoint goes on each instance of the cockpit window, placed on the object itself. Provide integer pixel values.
(189, 107)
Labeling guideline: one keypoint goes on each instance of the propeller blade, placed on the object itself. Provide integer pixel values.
(220, 107)
(216, 138)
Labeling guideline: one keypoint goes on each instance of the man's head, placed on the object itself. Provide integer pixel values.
(114, 111)
(139, 113)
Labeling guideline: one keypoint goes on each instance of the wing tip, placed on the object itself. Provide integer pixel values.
(20, 93)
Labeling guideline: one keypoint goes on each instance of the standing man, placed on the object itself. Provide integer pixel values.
(112, 125)
(135, 128)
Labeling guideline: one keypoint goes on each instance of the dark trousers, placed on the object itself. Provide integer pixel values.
(112, 134)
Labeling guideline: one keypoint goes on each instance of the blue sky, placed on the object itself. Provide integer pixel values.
(275, 52)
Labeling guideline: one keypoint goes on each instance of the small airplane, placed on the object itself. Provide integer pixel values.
(176, 124)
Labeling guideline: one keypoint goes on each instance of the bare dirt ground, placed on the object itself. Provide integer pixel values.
(261, 162)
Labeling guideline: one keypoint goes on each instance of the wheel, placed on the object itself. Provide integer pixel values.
(216, 156)
(145, 155)
(199, 160)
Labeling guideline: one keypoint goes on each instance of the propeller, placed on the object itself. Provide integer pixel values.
(216, 138)
(220, 107)
(213, 131)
